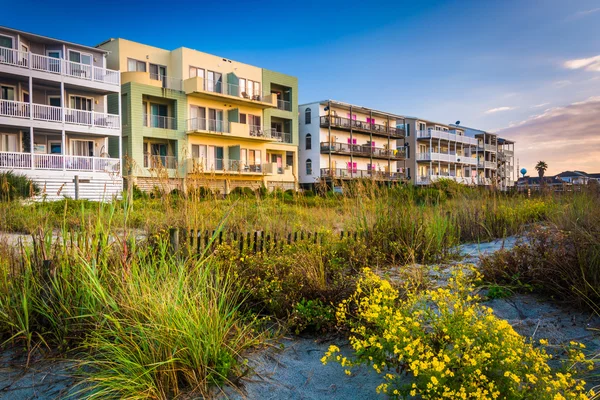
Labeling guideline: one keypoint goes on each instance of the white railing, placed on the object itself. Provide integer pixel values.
(445, 135)
(10, 160)
(491, 164)
(491, 147)
(64, 67)
(18, 109)
(199, 165)
(156, 161)
(43, 112)
(465, 180)
(431, 156)
(258, 131)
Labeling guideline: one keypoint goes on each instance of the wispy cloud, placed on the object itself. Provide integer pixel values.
(499, 109)
(582, 14)
(565, 137)
(561, 84)
(589, 64)
(540, 105)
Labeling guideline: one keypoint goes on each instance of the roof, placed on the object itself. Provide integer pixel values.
(594, 175)
(36, 37)
(566, 174)
(535, 180)
(342, 104)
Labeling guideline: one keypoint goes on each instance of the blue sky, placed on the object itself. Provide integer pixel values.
(493, 65)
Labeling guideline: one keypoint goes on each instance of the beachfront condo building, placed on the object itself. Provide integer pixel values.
(56, 124)
(196, 119)
(343, 142)
(448, 151)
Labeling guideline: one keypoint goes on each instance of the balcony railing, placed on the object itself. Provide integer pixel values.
(284, 137)
(351, 173)
(42, 112)
(231, 89)
(210, 125)
(223, 165)
(168, 82)
(284, 105)
(158, 162)
(450, 157)
(491, 147)
(428, 179)
(491, 164)
(445, 135)
(158, 121)
(362, 150)
(58, 66)
(10, 160)
(347, 123)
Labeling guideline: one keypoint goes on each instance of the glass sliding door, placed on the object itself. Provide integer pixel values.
(215, 82)
(215, 120)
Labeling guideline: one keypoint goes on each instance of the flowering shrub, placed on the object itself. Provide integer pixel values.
(451, 346)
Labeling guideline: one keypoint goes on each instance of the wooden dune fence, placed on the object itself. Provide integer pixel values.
(199, 241)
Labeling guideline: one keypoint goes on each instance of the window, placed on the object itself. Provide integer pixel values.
(158, 72)
(308, 142)
(81, 103)
(249, 89)
(307, 116)
(7, 93)
(196, 72)
(6, 41)
(135, 65)
(8, 142)
(371, 120)
(214, 82)
(422, 126)
(78, 57)
(289, 158)
(243, 119)
(54, 101)
(309, 167)
(254, 120)
(83, 148)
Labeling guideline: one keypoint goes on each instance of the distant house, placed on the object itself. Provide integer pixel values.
(574, 177)
(594, 177)
(533, 182)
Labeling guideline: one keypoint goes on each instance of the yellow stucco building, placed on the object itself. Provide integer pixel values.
(192, 118)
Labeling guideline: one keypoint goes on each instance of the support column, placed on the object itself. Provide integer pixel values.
(31, 119)
(329, 127)
(120, 134)
(389, 146)
(351, 146)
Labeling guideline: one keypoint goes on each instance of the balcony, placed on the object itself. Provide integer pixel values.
(284, 105)
(491, 164)
(283, 137)
(15, 160)
(59, 67)
(490, 147)
(446, 135)
(152, 79)
(224, 166)
(158, 121)
(428, 179)
(16, 112)
(235, 94)
(231, 129)
(375, 129)
(160, 162)
(450, 157)
(350, 173)
(363, 150)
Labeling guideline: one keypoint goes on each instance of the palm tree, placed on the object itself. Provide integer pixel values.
(541, 167)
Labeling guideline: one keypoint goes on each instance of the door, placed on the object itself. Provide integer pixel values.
(199, 155)
(82, 148)
(53, 60)
(8, 142)
(6, 53)
(198, 118)
(215, 82)
(219, 154)
(158, 116)
(278, 159)
(215, 120)
(159, 154)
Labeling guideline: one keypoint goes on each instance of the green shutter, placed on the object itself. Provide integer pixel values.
(233, 115)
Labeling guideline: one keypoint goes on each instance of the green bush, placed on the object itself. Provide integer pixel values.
(15, 186)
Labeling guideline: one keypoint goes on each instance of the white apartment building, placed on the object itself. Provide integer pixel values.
(55, 124)
(448, 151)
(341, 141)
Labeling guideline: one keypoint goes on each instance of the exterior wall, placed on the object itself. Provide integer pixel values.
(314, 154)
(138, 86)
(136, 133)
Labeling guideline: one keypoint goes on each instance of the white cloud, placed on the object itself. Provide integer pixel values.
(561, 84)
(585, 13)
(565, 137)
(589, 64)
(540, 105)
(499, 109)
